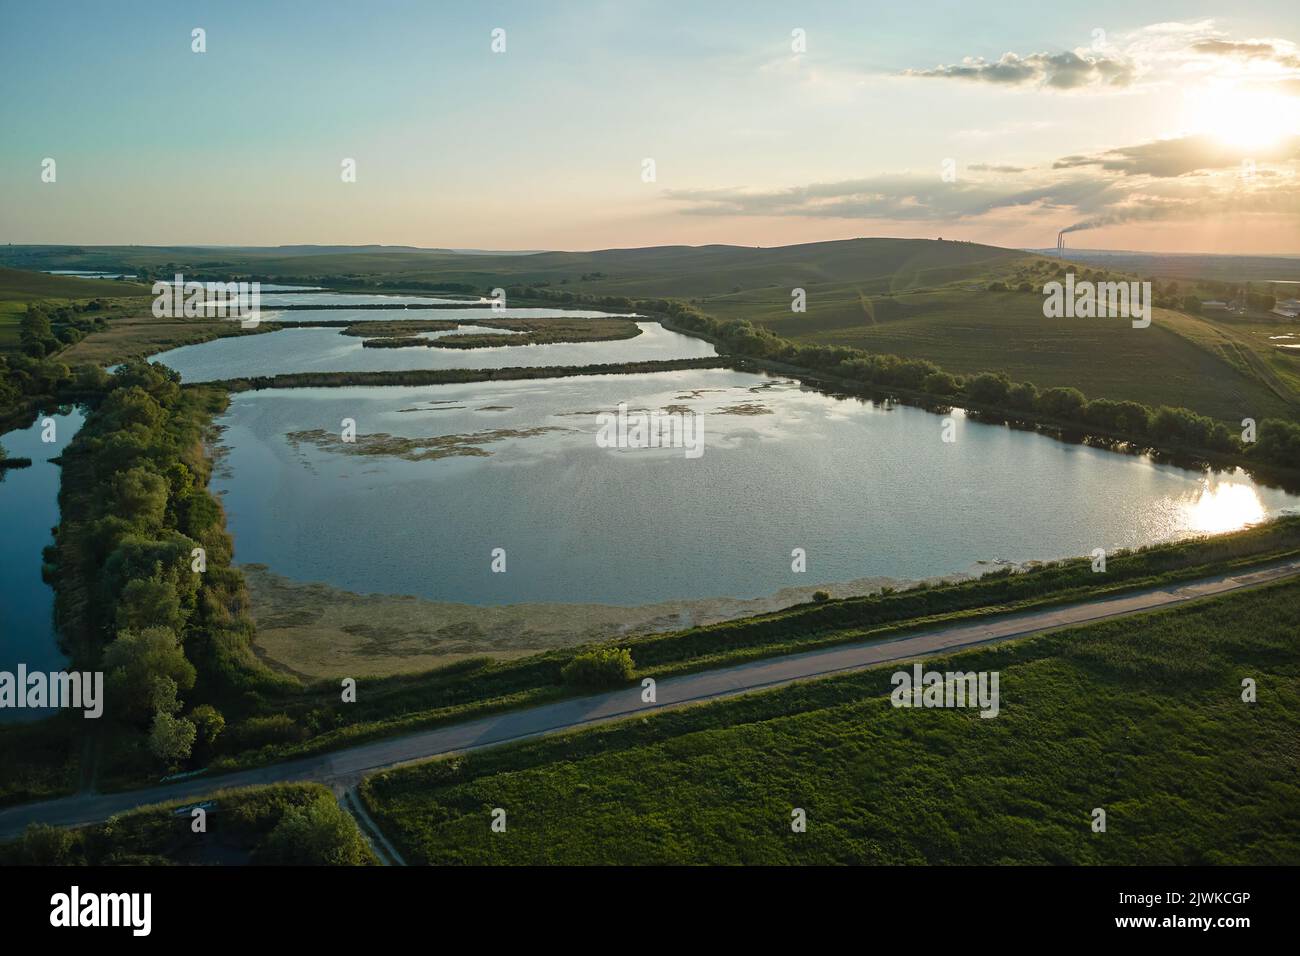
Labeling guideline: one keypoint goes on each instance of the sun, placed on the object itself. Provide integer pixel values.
(1246, 117)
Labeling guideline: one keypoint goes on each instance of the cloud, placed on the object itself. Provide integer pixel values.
(1268, 196)
(1180, 157)
(1059, 71)
(1279, 52)
(1158, 53)
(901, 197)
(1186, 179)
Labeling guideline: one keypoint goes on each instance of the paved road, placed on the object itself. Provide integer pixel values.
(343, 768)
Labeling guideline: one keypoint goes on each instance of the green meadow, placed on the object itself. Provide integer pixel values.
(1141, 717)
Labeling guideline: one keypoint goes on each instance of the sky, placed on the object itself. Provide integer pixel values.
(1133, 125)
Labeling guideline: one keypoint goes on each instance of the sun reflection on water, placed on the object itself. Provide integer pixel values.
(1223, 507)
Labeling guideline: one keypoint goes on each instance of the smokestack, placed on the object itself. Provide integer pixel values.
(1060, 244)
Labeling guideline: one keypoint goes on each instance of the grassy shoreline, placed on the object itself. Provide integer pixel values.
(478, 687)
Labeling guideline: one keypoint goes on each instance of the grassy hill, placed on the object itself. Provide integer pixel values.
(19, 287)
(1179, 360)
(651, 271)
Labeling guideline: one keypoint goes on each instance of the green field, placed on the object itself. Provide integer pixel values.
(1142, 717)
(1212, 369)
(19, 288)
(22, 286)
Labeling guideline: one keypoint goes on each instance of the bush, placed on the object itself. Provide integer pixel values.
(208, 722)
(602, 667)
(260, 731)
(45, 845)
(821, 597)
(318, 834)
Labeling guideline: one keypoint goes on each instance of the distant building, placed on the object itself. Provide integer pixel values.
(1215, 305)
(1283, 311)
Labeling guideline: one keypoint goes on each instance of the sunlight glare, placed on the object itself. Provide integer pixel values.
(1244, 117)
(1224, 507)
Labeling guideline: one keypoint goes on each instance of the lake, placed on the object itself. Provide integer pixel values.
(328, 350)
(29, 499)
(866, 489)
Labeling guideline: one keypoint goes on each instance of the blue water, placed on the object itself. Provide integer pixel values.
(328, 350)
(29, 501)
(867, 490)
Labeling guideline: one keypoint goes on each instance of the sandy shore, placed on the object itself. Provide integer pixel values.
(315, 630)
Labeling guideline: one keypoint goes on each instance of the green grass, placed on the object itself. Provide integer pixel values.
(11, 313)
(17, 285)
(1142, 717)
(1199, 366)
(19, 288)
(139, 336)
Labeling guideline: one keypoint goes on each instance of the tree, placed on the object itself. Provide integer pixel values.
(136, 661)
(90, 378)
(35, 334)
(131, 406)
(940, 383)
(1023, 396)
(1278, 443)
(1065, 404)
(988, 388)
(140, 497)
(171, 738)
(149, 603)
(317, 834)
(209, 723)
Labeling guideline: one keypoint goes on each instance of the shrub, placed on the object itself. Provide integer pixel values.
(260, 731)
(602, 667)
(45, 845)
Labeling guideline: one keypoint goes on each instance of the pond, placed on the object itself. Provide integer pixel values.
(441, 476)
